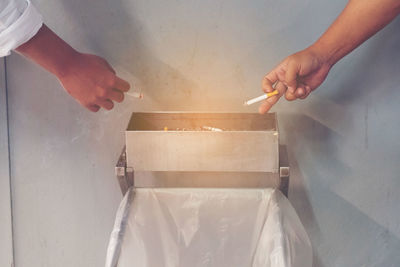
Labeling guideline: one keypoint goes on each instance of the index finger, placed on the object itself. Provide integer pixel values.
(270, 101)
(121, 84)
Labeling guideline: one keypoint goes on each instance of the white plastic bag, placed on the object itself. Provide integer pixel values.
(189, 227)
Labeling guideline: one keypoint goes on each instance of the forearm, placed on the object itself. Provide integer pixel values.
(49, 51)
(359, 21)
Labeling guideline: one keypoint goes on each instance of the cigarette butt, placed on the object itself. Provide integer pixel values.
(213, 129)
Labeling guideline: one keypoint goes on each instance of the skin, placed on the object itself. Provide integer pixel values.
(303, 72)
(87, 78)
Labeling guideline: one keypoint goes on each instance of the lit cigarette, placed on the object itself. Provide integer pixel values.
(260, 98)
(135, 94)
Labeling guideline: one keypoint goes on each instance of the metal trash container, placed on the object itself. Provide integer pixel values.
(178, 149)
(202, 189)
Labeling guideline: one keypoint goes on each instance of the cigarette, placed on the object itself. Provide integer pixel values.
(213, 129)
(135, 94)
(260, 98)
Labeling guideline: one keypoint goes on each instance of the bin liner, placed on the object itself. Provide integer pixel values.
(189, 227)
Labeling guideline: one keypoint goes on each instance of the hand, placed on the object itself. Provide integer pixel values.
(92, 82)
(87, 78)
(296, 77)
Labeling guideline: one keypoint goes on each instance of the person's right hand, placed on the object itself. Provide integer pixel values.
(295, 77)
(87, 78)
(93, 82)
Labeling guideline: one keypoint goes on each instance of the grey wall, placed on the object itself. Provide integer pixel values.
(209, 56)
(6, 250)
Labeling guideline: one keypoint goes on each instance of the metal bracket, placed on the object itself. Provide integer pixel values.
(125, 177)
(284, 170)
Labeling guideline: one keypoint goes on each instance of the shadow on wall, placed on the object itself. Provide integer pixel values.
(328, 218)
(114, 33)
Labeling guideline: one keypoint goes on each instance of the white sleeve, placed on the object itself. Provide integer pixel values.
(19, 22)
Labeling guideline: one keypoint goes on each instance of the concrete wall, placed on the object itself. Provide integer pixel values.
(209, 56)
